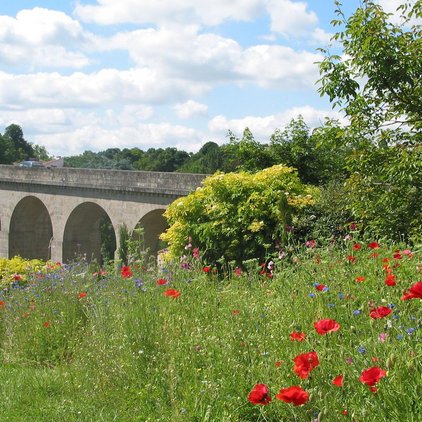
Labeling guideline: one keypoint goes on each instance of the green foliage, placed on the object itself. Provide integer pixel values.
(378, 83)
(124, 351)
(378, 79)
(237, 216)
(385, 189)
(311, 154)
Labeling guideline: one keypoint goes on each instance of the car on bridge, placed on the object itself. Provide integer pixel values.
(31, 164)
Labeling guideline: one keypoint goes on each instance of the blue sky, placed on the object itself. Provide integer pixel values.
(95, 74)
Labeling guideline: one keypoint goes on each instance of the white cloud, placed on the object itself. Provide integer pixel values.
(108, 12)
(42, 38)
(183, 52)
(190, 109)
(106, 86)
(290, 18)
(263, 127)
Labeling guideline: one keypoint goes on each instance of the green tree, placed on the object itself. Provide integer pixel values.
(378, 83)
(310, 153)
(207, 160)
(237, 216)
(246, 154)
(377, 80)
(14, 147)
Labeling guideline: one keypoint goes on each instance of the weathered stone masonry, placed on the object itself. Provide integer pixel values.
(55, 212)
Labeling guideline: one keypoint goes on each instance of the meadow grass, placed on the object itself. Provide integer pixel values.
(79, 347)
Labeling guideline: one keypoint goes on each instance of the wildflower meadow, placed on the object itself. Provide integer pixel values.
(323, 334)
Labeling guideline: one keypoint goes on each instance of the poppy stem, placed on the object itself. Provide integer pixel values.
(262, 414)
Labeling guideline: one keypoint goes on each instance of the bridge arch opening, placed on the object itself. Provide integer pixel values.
(89, 234)
(31, 231)
(152, 224)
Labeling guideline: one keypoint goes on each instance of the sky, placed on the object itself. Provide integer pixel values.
(97, 74)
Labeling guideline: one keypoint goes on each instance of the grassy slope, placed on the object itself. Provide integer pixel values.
(130, 353)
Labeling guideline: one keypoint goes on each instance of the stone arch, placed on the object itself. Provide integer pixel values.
(31, 230)
(153, 224)
(89, 234)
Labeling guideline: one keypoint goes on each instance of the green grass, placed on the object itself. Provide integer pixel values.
(127, 352)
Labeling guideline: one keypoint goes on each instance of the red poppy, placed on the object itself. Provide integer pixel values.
(380, 312)
(356, 246)
(206, 269)
(81, 295)
(295, 335)
(414, 292)
(351, 258)
(390, 280)
(17, 277)
(320, 287)
(373, 245)
(235, 312)
(305, 363)
(172, 293)
(126, 272)
(345, 412)
(2, 304)
(294, 394)
(374, 255)
(279, 363)
(338, 380)
(360, 279)
(161, 281)
(397, 255)
(238, 271)
(324, 326)
(47, 324)
(259, 395)
(372, 375)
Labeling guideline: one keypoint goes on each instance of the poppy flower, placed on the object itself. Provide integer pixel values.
(82, 295)
(161, 281)
(351, 258)
(321, 287)
(260, 395)
(235, 312)
(338, 380)
(295, 335)
(294, 394)
(310, 243)
(238, 271)
(372, 375)
(2, 304)
(390, 280)
(414, 292)
(206, 269)
(373, 245)
(47, 324)
(279, 363)
(360, 279)
(380, 312)
(305, 363)
(17, 277)
(324, 326)
(126, 272)
(397, 255)
(356, 246)
(172, 293)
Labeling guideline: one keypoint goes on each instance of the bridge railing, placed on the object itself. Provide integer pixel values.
(120, 180)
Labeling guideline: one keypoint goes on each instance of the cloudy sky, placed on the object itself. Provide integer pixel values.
(95, 74)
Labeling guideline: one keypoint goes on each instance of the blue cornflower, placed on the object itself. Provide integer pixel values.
(341, 296)
(361, 349)
(331, 305)
(356, 312)
(399, 337)
(410, 330)
(312, 295)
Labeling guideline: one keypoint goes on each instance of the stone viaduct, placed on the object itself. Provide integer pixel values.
(56, 213)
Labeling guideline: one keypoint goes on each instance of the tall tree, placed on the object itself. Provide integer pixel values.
(377, 80)
(378, 83)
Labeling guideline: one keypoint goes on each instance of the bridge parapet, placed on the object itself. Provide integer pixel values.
(172, 184)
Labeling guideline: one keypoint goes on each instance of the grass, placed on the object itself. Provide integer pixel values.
(127, 352)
